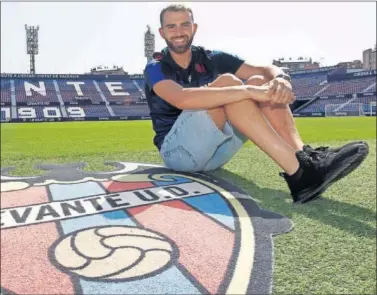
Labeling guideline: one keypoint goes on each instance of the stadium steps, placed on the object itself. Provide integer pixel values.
(354, 96)
(110, 110)
(323, 89)
(13, 93)
(312, 100)
(305, 105)
(138, 88)
(14, 112)
(58, 94)
(103, 97)
(369, 87)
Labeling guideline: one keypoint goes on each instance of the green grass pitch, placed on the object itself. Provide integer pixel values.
(332, 249)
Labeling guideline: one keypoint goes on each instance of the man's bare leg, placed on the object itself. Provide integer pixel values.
(279, 116)
(247, 117)
(306, 180)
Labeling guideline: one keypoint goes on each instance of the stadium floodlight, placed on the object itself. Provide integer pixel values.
(32, 45)
(149, 44)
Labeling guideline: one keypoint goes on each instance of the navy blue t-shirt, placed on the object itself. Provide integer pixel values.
(164, 114)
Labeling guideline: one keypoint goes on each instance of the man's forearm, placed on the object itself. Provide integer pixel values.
(212, 97)
(270, 72)
(248, 70)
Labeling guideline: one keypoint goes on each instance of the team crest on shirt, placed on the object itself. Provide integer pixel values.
(139, 228)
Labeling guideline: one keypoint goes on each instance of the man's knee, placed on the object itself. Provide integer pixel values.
(257, 80)
(226, 80)
(218, 114)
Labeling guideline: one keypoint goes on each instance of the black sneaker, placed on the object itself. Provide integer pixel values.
(325, 149)
(320, 170)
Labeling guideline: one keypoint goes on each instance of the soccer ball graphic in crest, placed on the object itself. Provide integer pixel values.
(113, 253)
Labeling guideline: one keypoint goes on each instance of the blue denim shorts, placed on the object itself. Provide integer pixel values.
(195, 143)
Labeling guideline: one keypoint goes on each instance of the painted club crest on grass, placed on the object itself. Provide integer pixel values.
(137, 230)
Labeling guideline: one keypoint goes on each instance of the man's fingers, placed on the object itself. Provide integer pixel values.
(283, 95)
(272, 89)
(274, 84)
(287, 97)
(278, 94)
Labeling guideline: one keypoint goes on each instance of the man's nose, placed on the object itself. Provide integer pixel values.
(178, 31)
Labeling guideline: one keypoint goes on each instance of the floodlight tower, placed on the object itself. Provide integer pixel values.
(149, 44)
(32, 45)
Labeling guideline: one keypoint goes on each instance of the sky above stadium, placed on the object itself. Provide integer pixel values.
(74, 37)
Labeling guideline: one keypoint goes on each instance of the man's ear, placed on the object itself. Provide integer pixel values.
(195, 28)
(161, 33)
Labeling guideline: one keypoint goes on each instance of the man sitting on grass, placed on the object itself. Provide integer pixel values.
(203, 112)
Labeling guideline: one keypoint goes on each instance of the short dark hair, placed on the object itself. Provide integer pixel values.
(175, 7)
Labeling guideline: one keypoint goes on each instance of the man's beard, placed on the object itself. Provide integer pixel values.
(181, 48)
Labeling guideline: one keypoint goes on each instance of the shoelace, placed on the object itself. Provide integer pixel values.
(322, 148)
(315, 155)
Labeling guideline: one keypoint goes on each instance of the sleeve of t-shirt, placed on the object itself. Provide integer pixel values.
(153, 74)
(227, 62)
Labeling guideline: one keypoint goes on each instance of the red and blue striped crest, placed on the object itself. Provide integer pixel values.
(141, 229)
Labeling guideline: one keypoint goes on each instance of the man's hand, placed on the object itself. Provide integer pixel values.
(261, 93)
(281, 91)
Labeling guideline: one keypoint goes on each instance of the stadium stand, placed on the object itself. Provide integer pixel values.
(121, 97)
(74, 90)
(319, 104)
(308, 86)
(5, 92)
(131, 110)
(336, 92)
(346, 87)
(94, 111)
(38, 91)
(113, 92)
